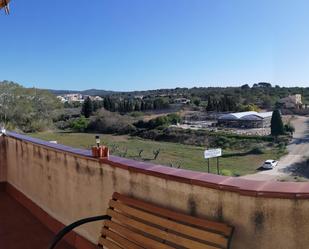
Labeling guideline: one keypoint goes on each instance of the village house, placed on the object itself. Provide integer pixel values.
(182, 101)
(291, 102)
(76, 97)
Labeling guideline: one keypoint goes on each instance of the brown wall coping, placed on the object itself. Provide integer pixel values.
(269, 189)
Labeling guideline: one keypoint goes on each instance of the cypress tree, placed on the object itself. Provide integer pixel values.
(210, 104)
(87, 108)
(277, 127)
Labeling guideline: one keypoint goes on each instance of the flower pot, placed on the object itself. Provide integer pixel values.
(106, 152)
(101, 151)
(95, 152)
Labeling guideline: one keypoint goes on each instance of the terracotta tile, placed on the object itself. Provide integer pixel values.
(2, 186)
(112, 163)
(139, 165)
(185, 175)
(14, 219)
(161, 171)
(82, 152)
(82, 243)
(116, 160)
(303, 191)
(209, 180)
(243, 186)
(52, 224)
(49, 222)
(279, 189)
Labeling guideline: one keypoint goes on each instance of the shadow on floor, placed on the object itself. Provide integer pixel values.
(19, 229)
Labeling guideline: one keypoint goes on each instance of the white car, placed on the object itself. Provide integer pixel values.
(269, 164)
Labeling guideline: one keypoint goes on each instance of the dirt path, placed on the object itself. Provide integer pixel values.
(298, 150)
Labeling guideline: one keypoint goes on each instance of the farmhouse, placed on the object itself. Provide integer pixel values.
(291, 102)
(182, 101)
(245, 120)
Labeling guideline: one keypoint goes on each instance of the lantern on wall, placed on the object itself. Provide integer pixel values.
(4, 4)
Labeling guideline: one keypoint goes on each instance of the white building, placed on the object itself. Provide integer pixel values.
(182, 101)
(93, 98)
(76, 97)
(246, 119)
(291, 102)
(62, 99)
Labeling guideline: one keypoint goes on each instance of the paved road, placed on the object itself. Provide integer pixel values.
(298, 149)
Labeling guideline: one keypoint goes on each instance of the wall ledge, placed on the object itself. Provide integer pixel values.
(265, 189)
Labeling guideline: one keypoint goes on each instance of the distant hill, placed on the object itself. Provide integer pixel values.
(92, 92)
(261, 94)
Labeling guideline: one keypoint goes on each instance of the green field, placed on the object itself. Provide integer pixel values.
(185, 156)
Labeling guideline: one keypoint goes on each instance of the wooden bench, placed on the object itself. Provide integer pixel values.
(135, 224)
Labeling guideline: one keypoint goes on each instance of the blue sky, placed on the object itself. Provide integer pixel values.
(149, 44)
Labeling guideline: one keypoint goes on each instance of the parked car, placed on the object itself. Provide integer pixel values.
(270, 164)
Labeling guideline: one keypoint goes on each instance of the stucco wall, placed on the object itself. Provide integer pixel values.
(3, 167)
(70, 187)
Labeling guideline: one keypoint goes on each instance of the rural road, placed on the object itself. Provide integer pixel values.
(298, 149)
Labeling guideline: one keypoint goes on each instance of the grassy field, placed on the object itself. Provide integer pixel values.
(185, 156)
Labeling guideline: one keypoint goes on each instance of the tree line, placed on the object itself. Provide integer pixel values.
(222, 104)
(123, 105)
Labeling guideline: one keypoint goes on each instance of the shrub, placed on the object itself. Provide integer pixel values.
(289, 128)
(63, 125)
(110, 122)
(173, 118)
(162, 122)
(226, 172)
(256, 151)
(80, 125)
(65, 114)
(249, 107)
(223, 142)
(136, 114)
(37, 126)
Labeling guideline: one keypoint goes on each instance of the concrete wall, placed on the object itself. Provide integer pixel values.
(70, 187)
(3, 167)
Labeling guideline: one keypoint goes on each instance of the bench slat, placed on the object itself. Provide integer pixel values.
(165, 235)
(197, 233)
(211, 225)
(109, 244)
(119, 240)
(135, 237)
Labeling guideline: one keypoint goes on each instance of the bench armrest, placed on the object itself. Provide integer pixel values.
(75, 224)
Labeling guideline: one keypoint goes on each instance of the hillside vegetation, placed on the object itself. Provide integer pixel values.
(26, 109)
(262, 94)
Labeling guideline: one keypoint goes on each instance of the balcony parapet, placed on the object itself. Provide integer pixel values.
(266, 189)
(61, 184)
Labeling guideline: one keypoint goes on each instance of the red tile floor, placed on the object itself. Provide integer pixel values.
(19, 229)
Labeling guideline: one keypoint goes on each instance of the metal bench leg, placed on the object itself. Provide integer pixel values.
(75, 224)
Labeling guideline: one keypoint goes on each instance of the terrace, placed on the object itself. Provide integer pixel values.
(44, 186)
(21, 229)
